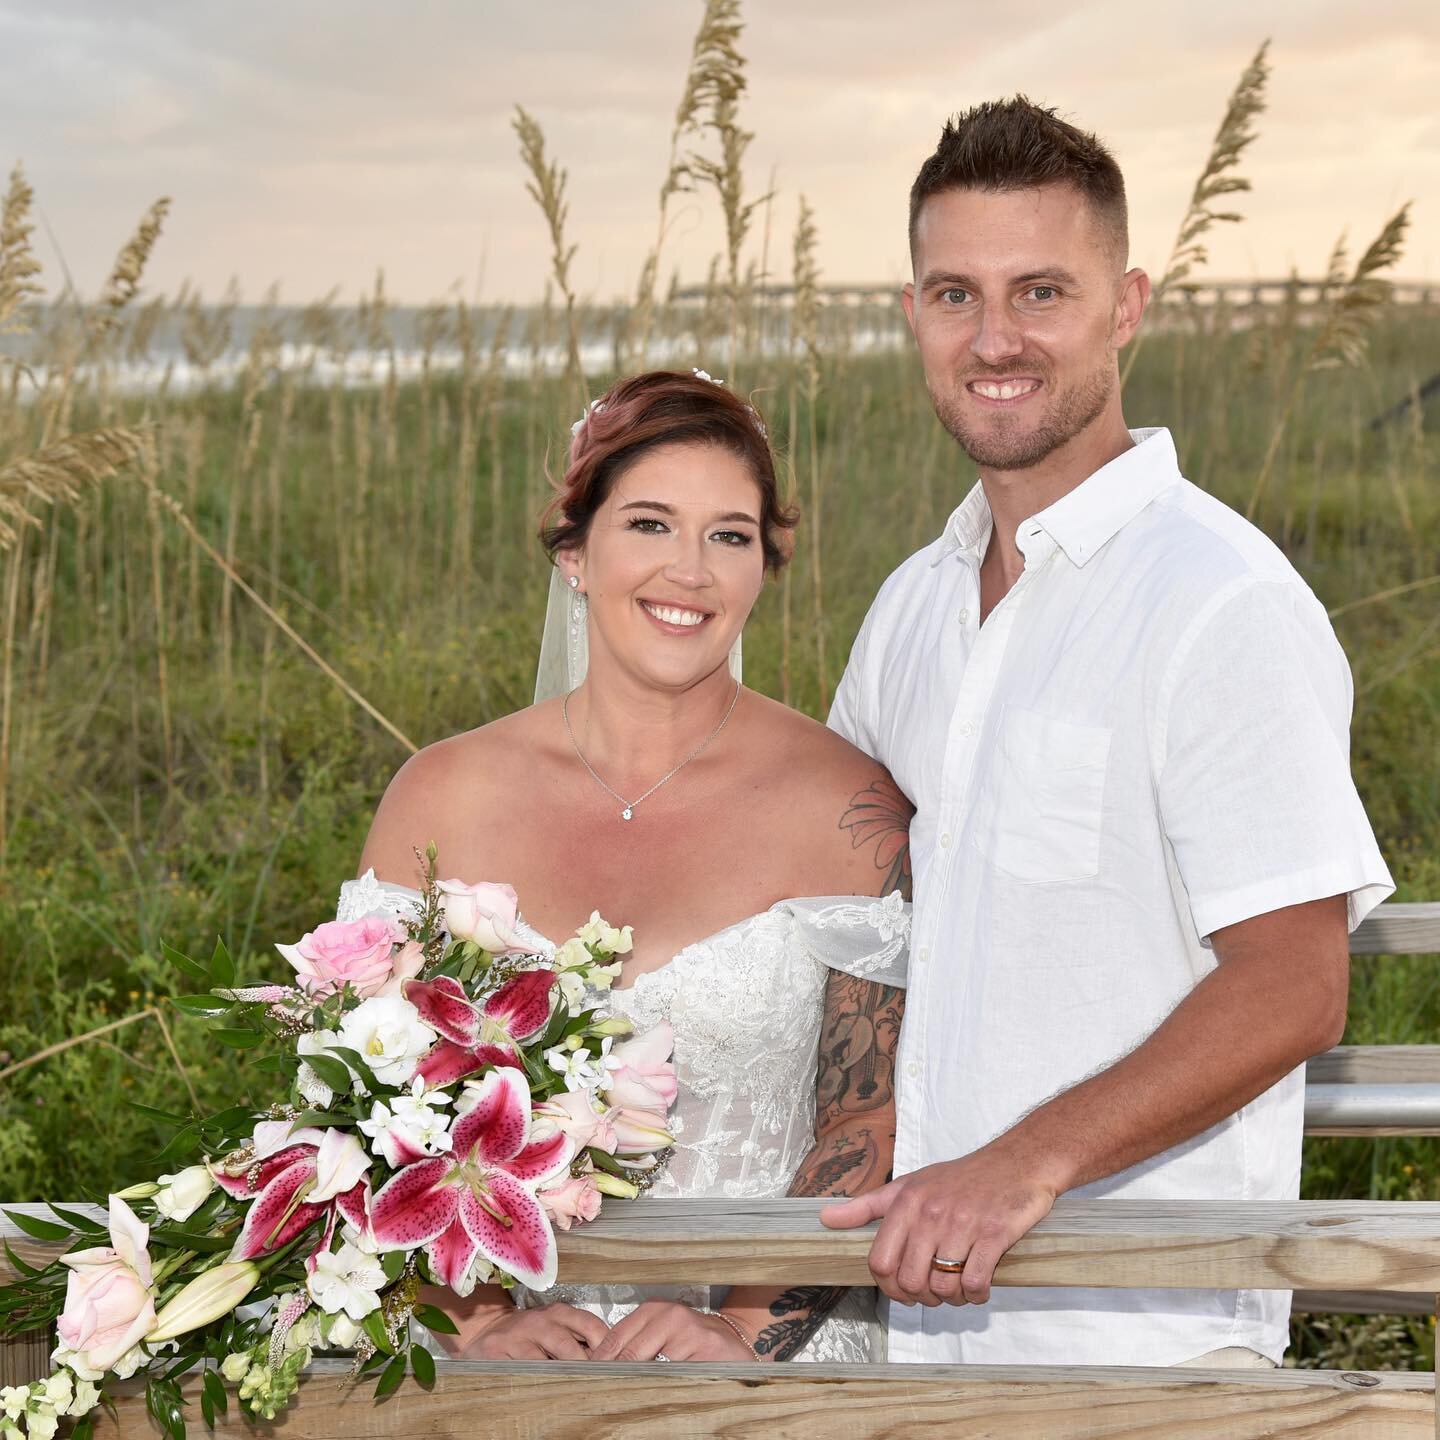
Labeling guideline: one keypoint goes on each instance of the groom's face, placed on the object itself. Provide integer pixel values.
(1018, 307)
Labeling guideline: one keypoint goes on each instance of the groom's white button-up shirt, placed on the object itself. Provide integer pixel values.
(1146, 741)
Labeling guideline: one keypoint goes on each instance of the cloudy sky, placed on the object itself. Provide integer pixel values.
(309, 142)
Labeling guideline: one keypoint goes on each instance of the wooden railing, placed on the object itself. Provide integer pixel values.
(1346, 1245)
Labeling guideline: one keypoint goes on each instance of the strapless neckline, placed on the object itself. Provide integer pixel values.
(548, 947)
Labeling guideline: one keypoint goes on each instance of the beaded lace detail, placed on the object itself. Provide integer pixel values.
(746, 1005)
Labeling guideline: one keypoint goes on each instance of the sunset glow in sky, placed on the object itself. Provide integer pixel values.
(310, 142)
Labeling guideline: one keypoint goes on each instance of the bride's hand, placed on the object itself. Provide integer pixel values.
(550, 1332)
(664, 1327)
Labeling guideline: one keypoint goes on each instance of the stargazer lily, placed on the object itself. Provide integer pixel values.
(474, 1038)
(480, 1199)
(294, 1179)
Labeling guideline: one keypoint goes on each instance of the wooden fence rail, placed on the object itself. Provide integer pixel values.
(1341, 1245)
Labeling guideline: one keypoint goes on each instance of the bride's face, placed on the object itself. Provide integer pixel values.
(673, 563)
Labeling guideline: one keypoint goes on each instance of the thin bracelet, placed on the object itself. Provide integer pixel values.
(745, 1340)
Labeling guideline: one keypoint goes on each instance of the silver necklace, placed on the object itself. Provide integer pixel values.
(628, 813)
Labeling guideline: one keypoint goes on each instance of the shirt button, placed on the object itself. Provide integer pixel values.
(963, 616)
(945, 841)
(924, 952)
(912, 1070)
(966, 728)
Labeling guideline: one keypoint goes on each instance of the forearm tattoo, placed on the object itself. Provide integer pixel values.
(854, 1128)
(879, 816)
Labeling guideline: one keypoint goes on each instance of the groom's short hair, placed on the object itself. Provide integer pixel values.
(1017, 145)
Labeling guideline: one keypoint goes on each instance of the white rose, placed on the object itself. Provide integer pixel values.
(180, 1196)
(390, 1036)
(235, 1366)
(342, 1332)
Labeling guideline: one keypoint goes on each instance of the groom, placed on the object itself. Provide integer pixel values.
(1123, 719)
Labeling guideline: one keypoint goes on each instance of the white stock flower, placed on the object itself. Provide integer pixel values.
(310, 1085)
(571, 984)
(59, 1389)
(346, 1280)
(13, 1399)
(42, 1423)
(582, 1070)
(87, 1397)
(410, 1123)
(128, 1363)
(390, 1036)
(572, 955)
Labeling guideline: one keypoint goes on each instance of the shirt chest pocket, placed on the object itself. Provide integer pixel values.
(1039, 805)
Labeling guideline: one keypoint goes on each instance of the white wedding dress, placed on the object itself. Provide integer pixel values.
(746, 1006)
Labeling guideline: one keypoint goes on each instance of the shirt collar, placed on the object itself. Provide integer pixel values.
(1081, 521)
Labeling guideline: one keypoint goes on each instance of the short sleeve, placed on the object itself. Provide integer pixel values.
(850, 710)
(1253, 766)
(857, 935)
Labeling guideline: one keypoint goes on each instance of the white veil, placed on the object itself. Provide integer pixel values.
(565, 648)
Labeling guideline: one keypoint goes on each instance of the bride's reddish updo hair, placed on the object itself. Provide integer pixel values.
(662, 407)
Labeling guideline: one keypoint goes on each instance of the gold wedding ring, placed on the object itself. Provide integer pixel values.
(950, 1267)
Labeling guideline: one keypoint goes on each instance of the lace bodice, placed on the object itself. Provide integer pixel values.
(746, 1006)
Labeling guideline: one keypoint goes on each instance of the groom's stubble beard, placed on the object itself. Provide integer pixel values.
(1005, 445)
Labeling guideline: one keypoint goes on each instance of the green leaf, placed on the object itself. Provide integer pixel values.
(207, 1409)
(201, 1004)
(165, 1117)
(435, 1320)
(36, 1228)
(85, 1430)
(191, 1240)
(193, 969)
(320, 1117)
(20, 1267)
(356, 1062)
(390, 1378)
(76, 1221)
(374, 1327)
(239, 1039)
(392, 1262)
(608, 1162)
(422, 1362)
(332, 1071)
(214, 1388)
(222, 967)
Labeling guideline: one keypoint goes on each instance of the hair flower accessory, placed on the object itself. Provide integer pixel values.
(704, 375)
(593, 408)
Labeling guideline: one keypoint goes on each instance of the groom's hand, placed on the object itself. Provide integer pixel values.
(972, 1209)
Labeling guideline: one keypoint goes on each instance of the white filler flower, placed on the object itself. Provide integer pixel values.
(346, 1280)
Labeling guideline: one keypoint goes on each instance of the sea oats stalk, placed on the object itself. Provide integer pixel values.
(1340, 338)
(715, 66)
(1219, 178)
(18, 265)
(547, 187)
(124, 282)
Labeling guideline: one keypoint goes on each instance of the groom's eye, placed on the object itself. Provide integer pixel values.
(954, 295)
(1042, 292)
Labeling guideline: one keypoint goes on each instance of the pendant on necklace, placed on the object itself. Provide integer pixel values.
(627, 813)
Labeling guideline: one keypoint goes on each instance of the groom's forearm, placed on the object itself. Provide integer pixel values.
(1277, 997)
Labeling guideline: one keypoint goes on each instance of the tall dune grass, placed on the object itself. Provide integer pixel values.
(214, 664)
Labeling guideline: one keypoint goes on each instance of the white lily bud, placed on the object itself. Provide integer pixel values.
(608, 1184)
(614, 1025)
(143, 1191)
(180, 1196)
(207, 1297)
(235, 1366)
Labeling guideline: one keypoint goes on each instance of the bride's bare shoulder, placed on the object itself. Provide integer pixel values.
(838, 807)
(419, 804)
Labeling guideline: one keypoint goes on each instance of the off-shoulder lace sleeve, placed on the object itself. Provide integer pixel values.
(369, 896)
(864, 937)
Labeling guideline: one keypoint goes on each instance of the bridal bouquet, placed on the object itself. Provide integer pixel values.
(447, 1097)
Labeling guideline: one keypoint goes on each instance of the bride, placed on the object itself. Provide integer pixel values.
(761, 860)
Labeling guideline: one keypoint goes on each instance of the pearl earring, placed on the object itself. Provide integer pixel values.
(574, 582)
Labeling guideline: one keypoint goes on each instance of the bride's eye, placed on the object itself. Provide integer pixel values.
(647, 525)
(734, 537)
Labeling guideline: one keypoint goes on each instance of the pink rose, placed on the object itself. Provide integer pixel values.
(640, 1132)
(641, 1076)
(576, 1199)
(109, 1307)
(483, 913)
(572, 1114)
(338, 952)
